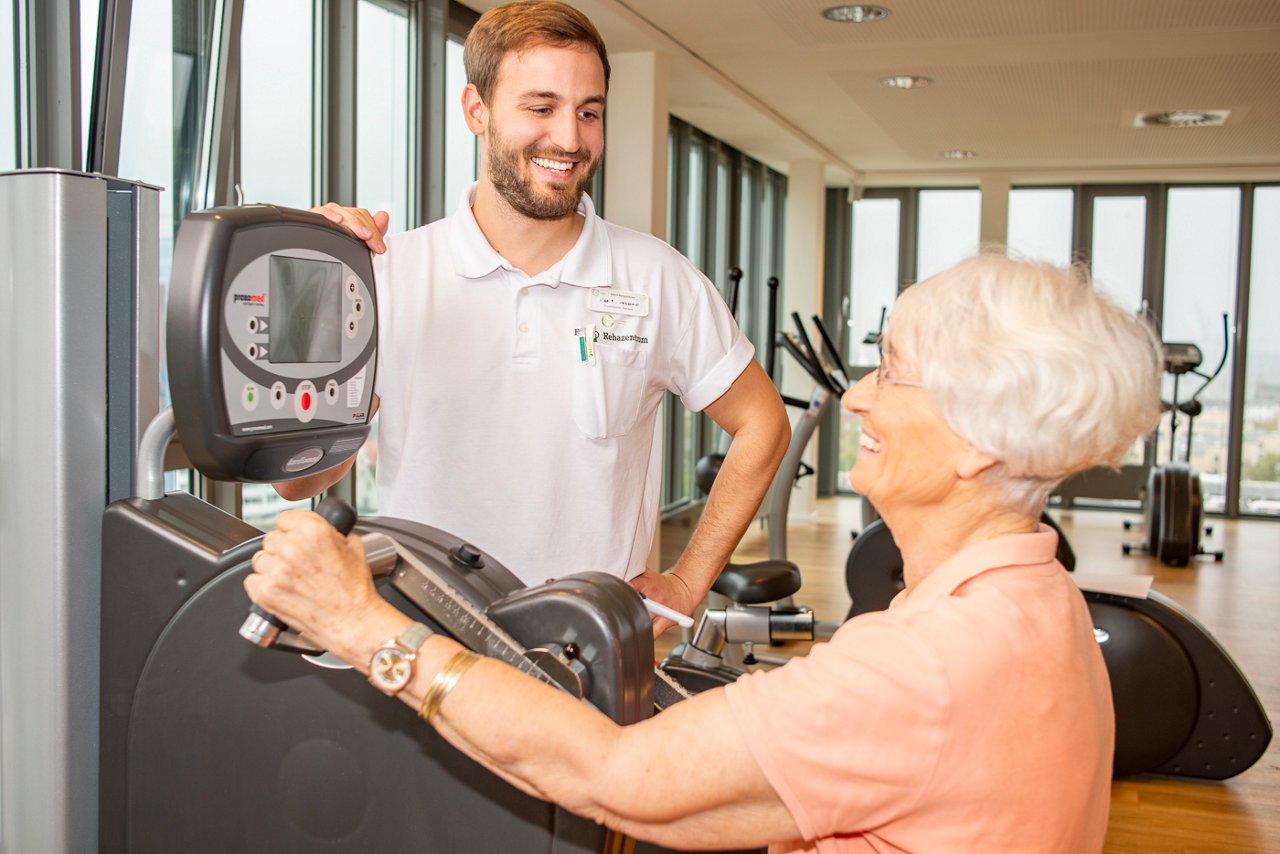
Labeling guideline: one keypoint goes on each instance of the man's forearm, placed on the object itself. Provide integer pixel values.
(740, 486)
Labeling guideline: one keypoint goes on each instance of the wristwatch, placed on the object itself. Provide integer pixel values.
(391, 667)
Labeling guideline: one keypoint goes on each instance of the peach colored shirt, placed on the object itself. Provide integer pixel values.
(974, 715)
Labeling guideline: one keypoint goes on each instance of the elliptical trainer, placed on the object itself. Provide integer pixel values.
(1173, 506)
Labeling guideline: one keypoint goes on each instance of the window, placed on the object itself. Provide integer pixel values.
(748, 258)
(723, 210)
(1260, 449)
(874, 264)
(1202, 246)
(949, 230)
(695, 203)
(382, 112)
(1119, 248)
(88, 52)
(276, 65)
(874, 287)
(1040, 224)
(460, 149)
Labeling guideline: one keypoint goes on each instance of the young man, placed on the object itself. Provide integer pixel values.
(526, 344)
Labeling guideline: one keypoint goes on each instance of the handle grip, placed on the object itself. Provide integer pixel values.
(261, 628)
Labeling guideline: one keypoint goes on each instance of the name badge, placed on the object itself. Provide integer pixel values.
(612, 301)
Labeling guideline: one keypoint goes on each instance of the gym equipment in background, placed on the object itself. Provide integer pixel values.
(1173, 505)
(759, 609)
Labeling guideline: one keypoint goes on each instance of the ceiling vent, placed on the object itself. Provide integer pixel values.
(1182, 119)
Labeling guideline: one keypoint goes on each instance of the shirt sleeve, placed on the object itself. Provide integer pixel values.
(711, 351)
(849, 735)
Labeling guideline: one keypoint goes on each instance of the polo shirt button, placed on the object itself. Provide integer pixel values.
(524, 327)
(524, 292)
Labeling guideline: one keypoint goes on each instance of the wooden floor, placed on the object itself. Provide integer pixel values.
(1237, 600)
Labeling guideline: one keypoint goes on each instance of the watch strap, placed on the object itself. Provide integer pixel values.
(414, 637)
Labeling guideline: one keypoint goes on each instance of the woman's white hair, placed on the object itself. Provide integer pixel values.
(1031, 365)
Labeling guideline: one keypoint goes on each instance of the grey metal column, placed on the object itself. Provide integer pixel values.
(64, 276)
(429, 30)
(50, 50)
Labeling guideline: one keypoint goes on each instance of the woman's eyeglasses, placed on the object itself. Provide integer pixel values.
(882, 376)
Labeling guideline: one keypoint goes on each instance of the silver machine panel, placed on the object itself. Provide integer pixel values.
(79, 343)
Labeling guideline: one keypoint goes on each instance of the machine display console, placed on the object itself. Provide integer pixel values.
(272, 342)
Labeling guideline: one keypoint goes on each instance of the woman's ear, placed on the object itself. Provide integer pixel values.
(971, 462)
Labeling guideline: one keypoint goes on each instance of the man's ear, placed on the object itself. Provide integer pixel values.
(474, 110)
(971, 462)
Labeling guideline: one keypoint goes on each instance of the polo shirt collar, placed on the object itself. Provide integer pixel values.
(586, 265)
(1004, 551)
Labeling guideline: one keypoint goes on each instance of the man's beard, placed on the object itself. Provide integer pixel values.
(516, 185)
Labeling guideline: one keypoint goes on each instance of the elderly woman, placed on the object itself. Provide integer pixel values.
(973, 715)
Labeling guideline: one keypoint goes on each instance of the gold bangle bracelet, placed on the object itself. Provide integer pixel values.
(446, 679)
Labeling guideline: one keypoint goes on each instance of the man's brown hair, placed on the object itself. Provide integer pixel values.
(522, 25)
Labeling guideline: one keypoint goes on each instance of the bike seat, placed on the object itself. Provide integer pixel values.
(759, 582)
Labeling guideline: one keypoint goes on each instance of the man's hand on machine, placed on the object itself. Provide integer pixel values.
(667, 589)
(369, 227)
(318, 582)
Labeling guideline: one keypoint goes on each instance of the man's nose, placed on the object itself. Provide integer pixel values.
(566, 135)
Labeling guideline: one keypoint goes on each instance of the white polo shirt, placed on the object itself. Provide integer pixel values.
(500, 424)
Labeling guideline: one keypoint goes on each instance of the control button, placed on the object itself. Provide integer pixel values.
(257, 325)
(331, 392)
(357, 308)
(353, 288)
(305, 402)
(257, 352)
(278, 395)
(251, 351)
(249, 397)
(353, 325)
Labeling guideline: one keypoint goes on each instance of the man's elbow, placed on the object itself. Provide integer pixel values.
(775, 431)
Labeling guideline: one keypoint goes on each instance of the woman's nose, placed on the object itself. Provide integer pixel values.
(860, 395)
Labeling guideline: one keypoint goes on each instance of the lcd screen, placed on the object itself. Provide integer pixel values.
(305, 311)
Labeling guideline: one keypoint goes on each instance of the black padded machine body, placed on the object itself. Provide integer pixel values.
(210, 744)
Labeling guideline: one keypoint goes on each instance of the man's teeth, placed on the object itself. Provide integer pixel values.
(557, 165)
(870, 444)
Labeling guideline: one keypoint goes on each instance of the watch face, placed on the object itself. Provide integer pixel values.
(391, 668)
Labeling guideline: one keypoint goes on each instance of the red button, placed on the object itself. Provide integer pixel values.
(306, 400)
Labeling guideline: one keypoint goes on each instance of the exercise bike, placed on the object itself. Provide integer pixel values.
(758, 609)
(1173, 506)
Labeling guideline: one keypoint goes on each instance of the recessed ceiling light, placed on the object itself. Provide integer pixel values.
(1182, 119)
(906, 81)
(958, 154)
(859, 13)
